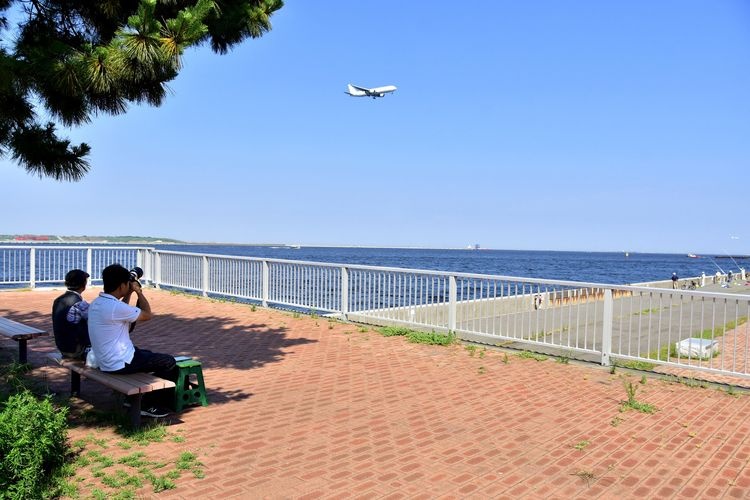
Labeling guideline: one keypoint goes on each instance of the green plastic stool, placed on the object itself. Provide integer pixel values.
(188, 392)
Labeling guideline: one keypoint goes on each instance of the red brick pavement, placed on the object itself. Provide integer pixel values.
(304, 408)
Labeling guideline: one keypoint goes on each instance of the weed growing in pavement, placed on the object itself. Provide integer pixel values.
(472, 349)
(532, 355)
(637, 365)
(154, 433)
(581, 445)
(632, 403)
(431, 338)
(562, 359)
(130, 472)
(394, 331)
(613, 369)
(363, 329)
(505, 359)
(586, 475)
(313, 314)
(295, 315)
(482, 370)
(253, 308)
(616, 421)
(691, 382)
(482, 352)
(731, 391)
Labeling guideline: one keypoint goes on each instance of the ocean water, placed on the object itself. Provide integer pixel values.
(598, 267)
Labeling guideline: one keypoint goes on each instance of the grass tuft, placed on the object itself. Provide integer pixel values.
(633, 403)
(532, 355)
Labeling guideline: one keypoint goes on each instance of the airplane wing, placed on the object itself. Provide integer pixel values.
(363, 89)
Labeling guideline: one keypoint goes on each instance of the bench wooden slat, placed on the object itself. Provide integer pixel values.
(133, 383)
(15, 330)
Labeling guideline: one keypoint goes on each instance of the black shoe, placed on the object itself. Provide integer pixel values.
(154, 412)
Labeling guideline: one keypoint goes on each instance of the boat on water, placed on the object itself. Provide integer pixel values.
(692, 256)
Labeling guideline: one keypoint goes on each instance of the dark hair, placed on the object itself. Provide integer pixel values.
(75, 279)
(113, 276)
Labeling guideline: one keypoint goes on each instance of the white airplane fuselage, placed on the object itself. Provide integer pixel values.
(356, 91)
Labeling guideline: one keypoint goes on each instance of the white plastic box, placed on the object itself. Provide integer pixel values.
(697, 348)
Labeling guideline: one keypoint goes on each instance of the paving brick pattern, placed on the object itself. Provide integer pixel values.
(304, 408)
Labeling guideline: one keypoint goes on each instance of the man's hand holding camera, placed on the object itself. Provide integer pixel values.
(135, 286)
(141, 303)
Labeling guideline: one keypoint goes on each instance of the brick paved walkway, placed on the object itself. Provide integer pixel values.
(304, 408)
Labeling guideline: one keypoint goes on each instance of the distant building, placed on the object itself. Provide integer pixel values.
(31, 237)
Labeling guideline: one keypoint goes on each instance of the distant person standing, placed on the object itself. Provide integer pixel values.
(729, 276)
(703, 279)
(70, 317)
(674, 281)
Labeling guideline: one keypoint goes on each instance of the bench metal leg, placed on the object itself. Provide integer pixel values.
(134, 412)
(75, 383)
(22, 351)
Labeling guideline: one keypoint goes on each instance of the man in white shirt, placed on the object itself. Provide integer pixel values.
(110, 317)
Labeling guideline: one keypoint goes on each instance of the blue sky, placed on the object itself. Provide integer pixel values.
(579, 125)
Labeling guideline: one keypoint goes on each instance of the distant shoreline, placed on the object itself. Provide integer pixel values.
(8, 240)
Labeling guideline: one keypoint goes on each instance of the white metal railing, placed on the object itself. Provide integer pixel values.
(590, 321)
(32, 266)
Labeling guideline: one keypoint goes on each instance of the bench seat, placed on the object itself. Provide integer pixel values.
(132, 385)
(20, 333)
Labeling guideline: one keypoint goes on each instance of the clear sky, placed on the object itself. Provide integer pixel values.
(541, 124)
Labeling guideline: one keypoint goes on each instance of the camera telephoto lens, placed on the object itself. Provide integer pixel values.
(136, 273)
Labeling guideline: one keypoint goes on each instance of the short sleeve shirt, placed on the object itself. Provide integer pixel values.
(109, 322)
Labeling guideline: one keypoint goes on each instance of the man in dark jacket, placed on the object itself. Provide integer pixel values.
(70, 317)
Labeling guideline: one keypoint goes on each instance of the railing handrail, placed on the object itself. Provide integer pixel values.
(429, 272)
(76, 247)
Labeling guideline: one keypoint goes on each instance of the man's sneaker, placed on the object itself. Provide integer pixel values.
(154, 412)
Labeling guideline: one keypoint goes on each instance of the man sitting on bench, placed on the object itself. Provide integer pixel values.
(110, 317)
(69, 317)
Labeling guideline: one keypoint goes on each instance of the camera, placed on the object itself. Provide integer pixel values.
(136, 273)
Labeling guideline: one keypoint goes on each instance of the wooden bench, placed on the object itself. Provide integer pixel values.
(20, 333)
(133, 385)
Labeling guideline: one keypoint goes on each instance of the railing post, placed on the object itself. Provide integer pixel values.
(89, 260)
(452, 295)
(157, 269)
(266, 280)
(32, 268)
(607, 328)
(147, 276)
(204, 276)
(344, 292)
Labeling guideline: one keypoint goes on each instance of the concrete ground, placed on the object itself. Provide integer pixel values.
(306, 408)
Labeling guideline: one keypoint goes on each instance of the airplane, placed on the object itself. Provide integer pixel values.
(356, 91)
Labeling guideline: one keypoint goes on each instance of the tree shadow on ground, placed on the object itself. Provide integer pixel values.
(223, 344)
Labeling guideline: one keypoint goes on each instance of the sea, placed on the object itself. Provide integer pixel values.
(614, 268)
